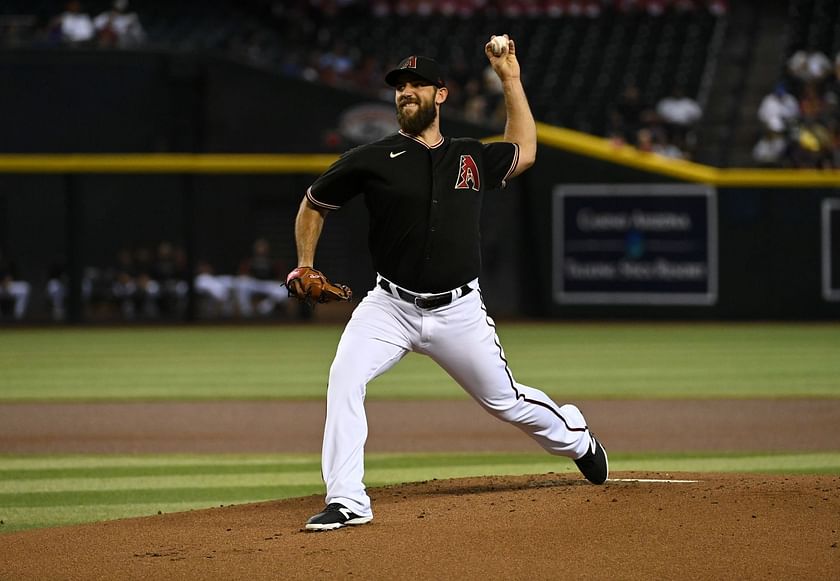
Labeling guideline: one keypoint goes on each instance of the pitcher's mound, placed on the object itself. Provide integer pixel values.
(637, 526)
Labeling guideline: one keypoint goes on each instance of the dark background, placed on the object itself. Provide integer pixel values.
(160, 102)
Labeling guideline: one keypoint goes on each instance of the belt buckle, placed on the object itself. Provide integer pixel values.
(432, 302)
(426, 303)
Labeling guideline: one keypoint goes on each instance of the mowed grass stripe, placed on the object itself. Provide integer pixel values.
(207, 495)
(104, 490)
(787, 463)
(11, 491)
(129, 483)
(165, 490)
(18, 519)
(129, 363)
(259, 466)
(98, 462)
(569, 360)
(194, 471)
(28, 509)
(109, 467)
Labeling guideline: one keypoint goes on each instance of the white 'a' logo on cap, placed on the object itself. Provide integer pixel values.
(410, 63)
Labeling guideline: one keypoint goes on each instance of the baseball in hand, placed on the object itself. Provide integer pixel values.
(498, 44)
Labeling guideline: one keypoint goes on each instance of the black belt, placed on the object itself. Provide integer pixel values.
(425, 301)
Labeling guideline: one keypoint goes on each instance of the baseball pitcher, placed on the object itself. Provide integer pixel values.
(424, 193)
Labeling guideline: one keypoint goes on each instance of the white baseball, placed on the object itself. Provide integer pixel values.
(498, 45)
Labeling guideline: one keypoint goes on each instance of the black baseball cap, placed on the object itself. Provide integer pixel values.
(421, 66)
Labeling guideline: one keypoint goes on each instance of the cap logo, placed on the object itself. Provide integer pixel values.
(410, 63)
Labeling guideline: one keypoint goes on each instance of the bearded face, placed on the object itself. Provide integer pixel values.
(415, 112)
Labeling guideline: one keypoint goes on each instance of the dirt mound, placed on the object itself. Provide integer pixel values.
(530, 527)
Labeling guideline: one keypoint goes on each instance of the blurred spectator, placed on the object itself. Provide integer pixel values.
(475, 104)
(771, 150)
(16, 29)
(494, 97)
(627, 115)
(833, 127)
(98, 288)
(92, 290)
(654, 7)
(653, 140)
(259, 280)
(218, 288)
(809, 65)
(73, 26)
(330, 41)
(12, 289)
(832, 90)
(801, 130)
(169, 271)
(811, 146)
(119, 28)
(779, 109)
(335, 65)
(147, 288)
(680, 113)
(718, 7)
(812, 105)
(57, 291)
(133, 288)
(124, 287)
(644, 140)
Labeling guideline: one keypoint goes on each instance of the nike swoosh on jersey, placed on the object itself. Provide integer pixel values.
(399, 153)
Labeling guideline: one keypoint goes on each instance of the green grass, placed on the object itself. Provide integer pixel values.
(288, 362)
(574, 361)
(44, 491)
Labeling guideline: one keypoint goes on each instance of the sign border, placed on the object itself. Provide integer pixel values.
(634, 298)
(829, 205)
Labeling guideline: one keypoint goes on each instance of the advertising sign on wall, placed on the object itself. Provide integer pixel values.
(831, 249)
(635, 244)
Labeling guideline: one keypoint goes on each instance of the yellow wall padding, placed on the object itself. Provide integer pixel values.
(600, 148)
(142, 163)
(558, 137)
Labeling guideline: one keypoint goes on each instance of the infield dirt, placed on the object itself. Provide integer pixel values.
(549, 526)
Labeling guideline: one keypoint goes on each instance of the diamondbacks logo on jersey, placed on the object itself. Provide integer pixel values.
(468, 174)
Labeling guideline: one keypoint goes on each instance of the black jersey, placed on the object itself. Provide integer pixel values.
(424, 204)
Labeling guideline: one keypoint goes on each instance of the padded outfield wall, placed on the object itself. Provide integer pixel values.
(211, 154)
(769, 246)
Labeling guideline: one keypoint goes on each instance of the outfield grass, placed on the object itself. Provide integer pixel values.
(288, 362)
(575, 361)
(42, 491)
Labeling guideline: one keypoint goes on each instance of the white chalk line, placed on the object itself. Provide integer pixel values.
(656, 480)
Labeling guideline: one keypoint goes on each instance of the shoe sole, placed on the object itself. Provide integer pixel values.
(337, 525)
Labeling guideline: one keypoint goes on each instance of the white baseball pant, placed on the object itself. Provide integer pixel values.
(461, 338)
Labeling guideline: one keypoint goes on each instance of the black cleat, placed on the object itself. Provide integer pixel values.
(594, 464)
(335, 516)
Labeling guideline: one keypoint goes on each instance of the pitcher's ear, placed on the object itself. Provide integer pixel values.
(441, 95)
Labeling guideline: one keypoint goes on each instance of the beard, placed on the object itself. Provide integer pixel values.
(415, 123)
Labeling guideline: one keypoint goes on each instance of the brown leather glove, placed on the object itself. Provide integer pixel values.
(311, 286)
